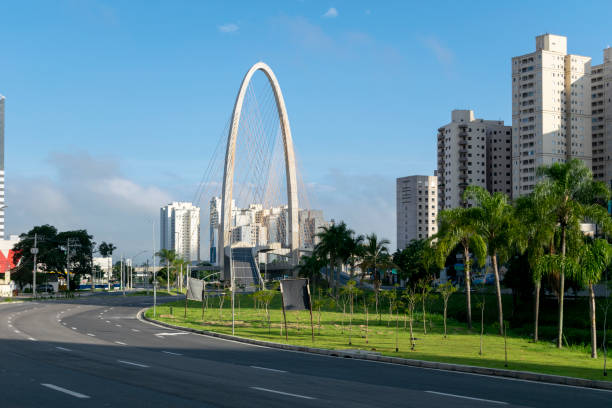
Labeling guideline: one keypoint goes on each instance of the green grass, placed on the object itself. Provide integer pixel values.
(460, 347)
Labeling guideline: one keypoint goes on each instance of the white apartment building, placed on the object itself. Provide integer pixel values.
(601, 118)
(551, 110)
(180, 230)
(416, 208)
(472, 152)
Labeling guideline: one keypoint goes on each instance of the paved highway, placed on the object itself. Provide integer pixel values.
(94, 352)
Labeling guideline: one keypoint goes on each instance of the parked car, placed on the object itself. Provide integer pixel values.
(45, 287)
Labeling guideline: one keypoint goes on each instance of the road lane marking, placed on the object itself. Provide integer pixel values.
(134, 364)
(74, 328)
(169, 334)
(62, 348)
(107, 321)
(31, 338)
(118, 325)
(64, 390)
(135, 330)
(17, 331)
(91, 334)
(172, 353)
(469, 398)
(122, 343)
(268, 369)
(282, 393)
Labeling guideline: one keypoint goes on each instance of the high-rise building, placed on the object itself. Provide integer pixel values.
(472, 152)
(416, 208)
(2, 232)
(180, 230)
(601, 118)
(551, 110)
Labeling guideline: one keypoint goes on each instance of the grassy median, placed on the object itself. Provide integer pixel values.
(333, 329)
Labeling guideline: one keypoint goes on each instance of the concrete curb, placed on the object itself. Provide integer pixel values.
(519, 375)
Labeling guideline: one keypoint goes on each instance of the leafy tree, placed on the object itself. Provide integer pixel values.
(334, 246)
(537, 225)
(494, 220)
(446, 290)
(167, 256)
(594, 259)
(375, 256)
(571, 190)
(310, 267)
(409, 261)
(458, 227)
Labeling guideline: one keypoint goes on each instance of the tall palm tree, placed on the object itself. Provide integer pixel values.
(537, 224)
(457, 227)
(167, 255)
(571, 188)
(334, 246)
(375, 256)
(355, 251)
(594, 259)
(494, 220)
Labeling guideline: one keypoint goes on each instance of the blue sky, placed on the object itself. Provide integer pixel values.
(113, 107)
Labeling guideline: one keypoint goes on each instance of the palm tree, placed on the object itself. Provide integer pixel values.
(334, 246)
(494, 220)
(595, 258)
(537, 223)
(375, 255)
(107, 249)
(355, 251)
(169, 256)
(457, 227)
(571, 188)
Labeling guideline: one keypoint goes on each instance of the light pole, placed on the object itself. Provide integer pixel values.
(34, 251)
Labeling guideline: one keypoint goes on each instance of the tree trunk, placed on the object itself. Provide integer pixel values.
(593, 312)
(536, 310)
(410, 324)
(499, 298)
(424, 316)
(561, 289)
(468, 286)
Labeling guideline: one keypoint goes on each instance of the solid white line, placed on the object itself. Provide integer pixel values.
(282, 393)
(269, 369)
(469, 398)
(64, 390)
(170, 352)
(62, 348)
(122, 343)
(134, 364)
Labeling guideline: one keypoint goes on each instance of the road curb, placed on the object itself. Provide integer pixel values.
(497, 372)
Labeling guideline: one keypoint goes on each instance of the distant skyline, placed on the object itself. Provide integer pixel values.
(96, 90)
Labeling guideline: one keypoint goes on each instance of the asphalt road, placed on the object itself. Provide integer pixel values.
(94, 352)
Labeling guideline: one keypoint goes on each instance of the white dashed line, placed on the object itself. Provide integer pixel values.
(91, 334)
(134, 364)
(469, 398)
(62, 348)
(269, 369)
(172, 353)
(65, 391)
(122, 343)
(282, 393)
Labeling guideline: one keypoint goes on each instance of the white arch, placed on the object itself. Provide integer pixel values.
(228, 172)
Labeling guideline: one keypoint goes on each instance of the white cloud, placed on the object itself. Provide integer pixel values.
(81, 191)
(228, 28)
(443, 54)
(366, 202)
(331, 13)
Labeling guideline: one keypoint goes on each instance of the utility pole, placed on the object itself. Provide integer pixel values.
(121, 270)
(34, 251)
(232, 284)
(68, 265)
(154, 276)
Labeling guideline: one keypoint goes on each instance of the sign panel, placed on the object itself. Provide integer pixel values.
(296, 294)
(195, 288)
